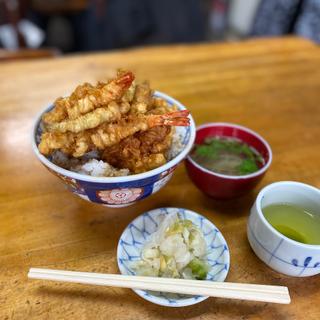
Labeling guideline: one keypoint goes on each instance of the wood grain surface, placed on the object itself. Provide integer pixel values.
(269, 85)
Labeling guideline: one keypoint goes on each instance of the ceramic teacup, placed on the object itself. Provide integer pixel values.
(272, 247)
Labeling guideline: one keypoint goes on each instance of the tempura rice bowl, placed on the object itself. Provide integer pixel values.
(121, 190)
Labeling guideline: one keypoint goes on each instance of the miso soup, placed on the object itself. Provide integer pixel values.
(229, 156)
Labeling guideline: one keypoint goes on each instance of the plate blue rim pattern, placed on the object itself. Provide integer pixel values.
(137, 232)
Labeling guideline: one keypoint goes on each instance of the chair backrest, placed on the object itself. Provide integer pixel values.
(13, 14)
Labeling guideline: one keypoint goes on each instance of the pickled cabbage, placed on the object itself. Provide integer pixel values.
(176, 250)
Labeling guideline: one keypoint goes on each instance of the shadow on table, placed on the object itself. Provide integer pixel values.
(92, 294)
(213, 308)
(234, 208)
(223, 308)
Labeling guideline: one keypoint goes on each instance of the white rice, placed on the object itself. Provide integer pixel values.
(176, 146)
(99, 168)
(89, 165)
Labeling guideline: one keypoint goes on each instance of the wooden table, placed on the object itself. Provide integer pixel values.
(272, 86)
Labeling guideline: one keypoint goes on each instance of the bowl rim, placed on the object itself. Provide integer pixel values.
(186, 301)
(140, 176)
(265, 221)
(231, 177)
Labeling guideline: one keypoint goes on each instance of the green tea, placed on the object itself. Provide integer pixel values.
(294, 222)
(228, 156)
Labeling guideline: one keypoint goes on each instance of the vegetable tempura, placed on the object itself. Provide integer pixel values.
(119, 120)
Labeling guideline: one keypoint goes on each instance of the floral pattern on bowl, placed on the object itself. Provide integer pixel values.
(137, 233)
(120, 196)
(120, 191)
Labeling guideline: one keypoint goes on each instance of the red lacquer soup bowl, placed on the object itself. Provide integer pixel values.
(222, 186)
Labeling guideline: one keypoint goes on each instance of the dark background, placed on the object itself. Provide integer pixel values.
(90, 25)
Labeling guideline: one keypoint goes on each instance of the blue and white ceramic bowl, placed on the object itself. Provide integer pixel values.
(273, 248)
(136, 234)
(119, 191)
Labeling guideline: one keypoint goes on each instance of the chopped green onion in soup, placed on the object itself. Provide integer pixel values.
(229, 156)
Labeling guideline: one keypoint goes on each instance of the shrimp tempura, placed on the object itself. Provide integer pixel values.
(107, 135)
(87, 98)
(121, 120)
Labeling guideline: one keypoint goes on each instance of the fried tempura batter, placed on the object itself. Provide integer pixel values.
(87, 98)
(75, 144)
(120, 119)
(110, 113)
(142, 151)
(141, 99)
(106, 134)
(109, 134)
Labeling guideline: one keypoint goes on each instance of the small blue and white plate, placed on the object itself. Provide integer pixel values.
(137, 233)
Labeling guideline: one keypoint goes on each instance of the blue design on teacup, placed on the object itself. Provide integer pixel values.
(137, 233)
(294, 262)
(305, 265)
